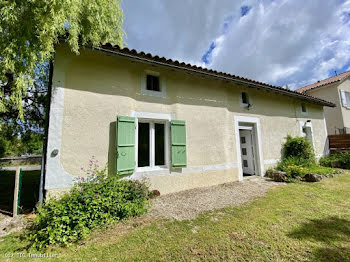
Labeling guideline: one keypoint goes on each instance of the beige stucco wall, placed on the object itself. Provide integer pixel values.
(333, 115)
(337, 117)
(98, 87)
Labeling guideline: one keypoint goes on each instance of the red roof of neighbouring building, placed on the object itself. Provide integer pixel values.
(327, 81)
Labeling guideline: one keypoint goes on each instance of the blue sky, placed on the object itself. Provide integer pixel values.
(294, 42)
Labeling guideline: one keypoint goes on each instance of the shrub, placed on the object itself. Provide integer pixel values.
(294, 161)
(326, 161)
(296, 169)
(101, 200)
(298, 160)
(298, 148)
(341, 160)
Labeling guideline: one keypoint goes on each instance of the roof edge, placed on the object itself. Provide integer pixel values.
(148, 58)
(305, 89)
(322, 86)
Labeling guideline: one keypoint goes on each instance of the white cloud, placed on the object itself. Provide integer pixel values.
(292, 42)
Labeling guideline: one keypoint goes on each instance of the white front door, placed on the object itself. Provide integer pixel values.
(247, 152)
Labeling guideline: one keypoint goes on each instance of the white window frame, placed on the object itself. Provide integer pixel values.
(162, 85)
(152, 118)
(301, 109)
(345, 98)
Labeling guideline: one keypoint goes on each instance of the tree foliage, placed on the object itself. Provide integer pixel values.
(29, 29)
(18, 137)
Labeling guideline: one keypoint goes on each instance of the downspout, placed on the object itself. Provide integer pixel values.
(46, 126)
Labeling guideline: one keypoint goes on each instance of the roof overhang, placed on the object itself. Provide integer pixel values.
(155, 60)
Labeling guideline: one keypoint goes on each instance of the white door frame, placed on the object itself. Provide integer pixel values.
(250, 149)
(259, 159)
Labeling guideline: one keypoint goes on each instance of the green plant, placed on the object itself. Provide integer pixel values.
(298, 148)
(341, 160)
(294, 161)
(296, 168)
(95, 200)
(321, 170)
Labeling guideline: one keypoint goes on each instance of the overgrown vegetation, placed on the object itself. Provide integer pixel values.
(298, 160)
(94, 201)
(340, 160)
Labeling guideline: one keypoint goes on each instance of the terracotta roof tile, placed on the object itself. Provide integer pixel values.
(324, 82)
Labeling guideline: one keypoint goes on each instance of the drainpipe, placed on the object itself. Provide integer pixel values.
(46, 126)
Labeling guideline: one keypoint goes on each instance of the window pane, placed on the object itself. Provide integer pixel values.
(244, 98)
(244, 151)
(303, 108)
(347, 95)
(245, 163)
(149, 82)
(153, 83)
(242, 139)
(143, 145)
(159, 144)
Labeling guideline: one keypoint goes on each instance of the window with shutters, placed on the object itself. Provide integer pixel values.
(345, 98)
(151, 144)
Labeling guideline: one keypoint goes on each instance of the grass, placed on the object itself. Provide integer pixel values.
(297, 222)
(321, 170)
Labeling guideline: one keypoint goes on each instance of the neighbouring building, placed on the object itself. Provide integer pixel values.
(335, 89)
(176, 125)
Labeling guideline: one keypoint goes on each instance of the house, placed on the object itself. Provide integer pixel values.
(175, 125)
(337, 90)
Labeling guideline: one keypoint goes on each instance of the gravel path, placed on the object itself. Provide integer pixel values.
(190, 203)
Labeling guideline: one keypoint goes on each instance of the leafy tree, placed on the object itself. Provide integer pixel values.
(29, 29)
(26, 136)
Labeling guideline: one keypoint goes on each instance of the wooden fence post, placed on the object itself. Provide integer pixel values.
(16, 192)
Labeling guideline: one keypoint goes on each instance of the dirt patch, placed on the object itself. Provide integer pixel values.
(190, 203)
(9, 224)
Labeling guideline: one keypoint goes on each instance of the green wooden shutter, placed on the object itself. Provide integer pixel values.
(178, 144)
(125, 151)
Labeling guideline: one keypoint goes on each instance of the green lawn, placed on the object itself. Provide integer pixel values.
(296, 222)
